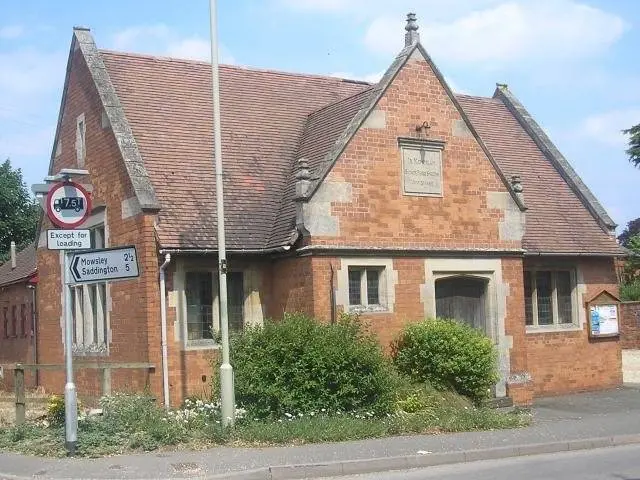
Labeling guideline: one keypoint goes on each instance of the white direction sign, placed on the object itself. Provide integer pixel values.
(68, 239)
(104, 265)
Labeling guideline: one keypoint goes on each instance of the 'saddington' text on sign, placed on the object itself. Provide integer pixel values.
(104, 265)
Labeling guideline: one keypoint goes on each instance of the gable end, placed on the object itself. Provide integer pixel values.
(140, 180)
(378, 92)
(544, 143)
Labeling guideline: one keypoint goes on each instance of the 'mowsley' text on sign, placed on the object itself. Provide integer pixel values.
(68, 239)
(104, 265)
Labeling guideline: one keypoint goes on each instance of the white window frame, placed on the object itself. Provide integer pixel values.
(81, 140)
(364, 289)
(252, 306)
(387, 280)
(575, 304)
(83, 321)
(200, 343)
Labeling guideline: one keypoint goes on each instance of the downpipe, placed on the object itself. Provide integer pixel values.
(163, 320)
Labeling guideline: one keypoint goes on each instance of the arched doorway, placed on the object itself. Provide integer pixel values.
(463, 297)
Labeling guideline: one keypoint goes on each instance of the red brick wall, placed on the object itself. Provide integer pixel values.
(386, 325)
(134, 303)
(16, 338)
(630, 325)
(570, 361)
(292, 286)
(379, 214)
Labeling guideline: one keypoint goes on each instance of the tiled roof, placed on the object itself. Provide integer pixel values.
(321, 132)
(168, 105)
(269, 120)
(25, 266)
(556, 220)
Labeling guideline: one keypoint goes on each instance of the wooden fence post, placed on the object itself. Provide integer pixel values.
(18, 378)
(105, 380)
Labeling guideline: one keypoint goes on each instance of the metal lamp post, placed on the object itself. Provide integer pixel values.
(226, 370)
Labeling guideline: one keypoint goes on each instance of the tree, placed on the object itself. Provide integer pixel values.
(634, 144)
(633, 229)
(19, 213)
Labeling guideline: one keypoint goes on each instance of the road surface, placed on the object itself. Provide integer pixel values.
(616, 463)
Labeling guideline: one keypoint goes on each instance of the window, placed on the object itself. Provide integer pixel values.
(23, 320)
(14, 320)
(199, 300)
(549, 297)
(235, 301)
(80, 140)
(199, 296)
(89, 308)
(6, 322)
(364, 287)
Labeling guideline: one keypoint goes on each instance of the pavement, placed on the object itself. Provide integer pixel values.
(572, 422)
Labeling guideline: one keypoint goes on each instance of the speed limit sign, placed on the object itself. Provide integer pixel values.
(68, 204)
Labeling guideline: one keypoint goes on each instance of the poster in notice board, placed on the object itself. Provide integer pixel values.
(603, 320)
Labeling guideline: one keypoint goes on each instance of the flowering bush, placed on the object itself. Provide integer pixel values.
(196, 413)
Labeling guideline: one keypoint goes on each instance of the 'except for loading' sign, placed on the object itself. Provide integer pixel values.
(104, 265)
(68, 239)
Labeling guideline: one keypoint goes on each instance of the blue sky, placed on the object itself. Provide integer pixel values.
(573, 63)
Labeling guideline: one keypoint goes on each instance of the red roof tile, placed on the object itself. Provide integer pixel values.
(556, 220)
(25, 266)
(168, 105)
(269, 120)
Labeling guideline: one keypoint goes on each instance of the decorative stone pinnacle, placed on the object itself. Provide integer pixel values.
(303, 179)
(516, 183)
(412, 36)
(303, 172)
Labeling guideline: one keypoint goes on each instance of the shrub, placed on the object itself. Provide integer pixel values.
(55, 410)
(447, 354)
(630, 291)
(299, 365)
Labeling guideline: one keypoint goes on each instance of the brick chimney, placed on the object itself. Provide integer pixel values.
(412, 36)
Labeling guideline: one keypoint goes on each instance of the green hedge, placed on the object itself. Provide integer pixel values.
(299, 365)
(447, 354)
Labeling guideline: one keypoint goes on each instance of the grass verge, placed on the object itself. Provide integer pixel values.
(134, 424)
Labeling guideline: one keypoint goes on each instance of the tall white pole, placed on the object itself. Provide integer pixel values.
(226, 370)
(70, 394)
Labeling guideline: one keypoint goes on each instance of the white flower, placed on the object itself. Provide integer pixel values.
(288, 415)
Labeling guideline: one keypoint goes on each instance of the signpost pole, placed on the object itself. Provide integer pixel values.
(70, 394)
(67, 205)
(226, 370)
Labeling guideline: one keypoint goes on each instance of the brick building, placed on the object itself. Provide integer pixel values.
(18, 281)
(399, 200)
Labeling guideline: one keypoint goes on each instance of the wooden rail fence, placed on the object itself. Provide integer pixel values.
(105, 377)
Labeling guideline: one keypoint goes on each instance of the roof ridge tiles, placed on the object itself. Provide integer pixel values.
(477, 97)
(343, 99)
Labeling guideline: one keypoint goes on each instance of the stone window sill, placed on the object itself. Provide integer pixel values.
(201, 345)
(570, 327)
(366, 309)
(93, 350)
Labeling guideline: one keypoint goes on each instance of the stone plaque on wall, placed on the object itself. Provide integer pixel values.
(421, 170)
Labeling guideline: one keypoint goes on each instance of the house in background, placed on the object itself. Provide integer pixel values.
(398, 200)
(18, 281)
